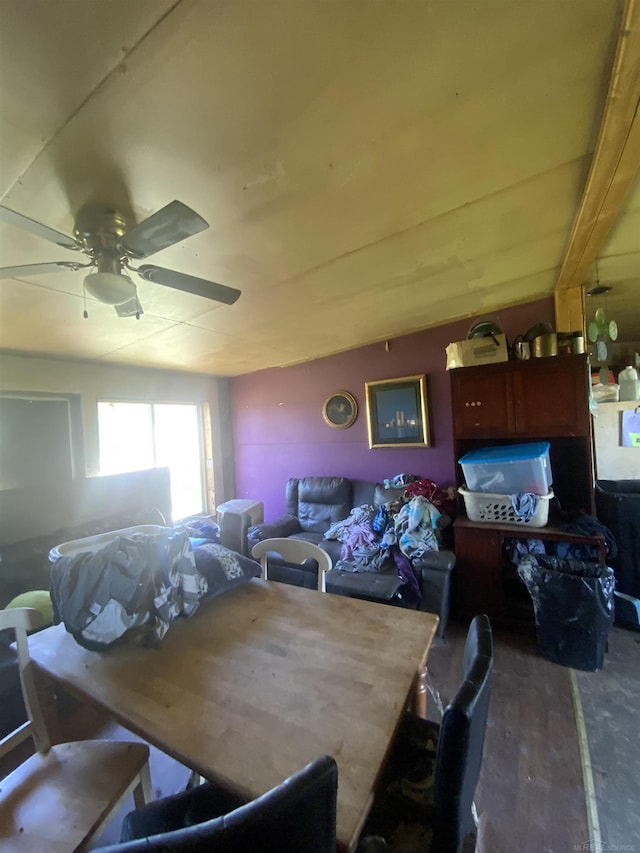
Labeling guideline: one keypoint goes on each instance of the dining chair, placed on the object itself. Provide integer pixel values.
(61, 796)
(426, 794)
(295, 551)
(297, 815)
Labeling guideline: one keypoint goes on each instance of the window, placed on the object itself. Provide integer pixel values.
(40, 438)
(135, 436)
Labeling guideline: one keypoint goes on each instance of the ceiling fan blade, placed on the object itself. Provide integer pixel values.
(38, 269)
(162, 229)
(189, 283)
(38, 229)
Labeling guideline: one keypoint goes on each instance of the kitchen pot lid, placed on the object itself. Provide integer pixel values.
(484, 329)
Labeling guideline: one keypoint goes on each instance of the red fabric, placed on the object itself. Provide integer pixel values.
(429, 490)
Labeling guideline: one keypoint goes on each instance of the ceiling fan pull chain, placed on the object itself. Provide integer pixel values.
(85, 313)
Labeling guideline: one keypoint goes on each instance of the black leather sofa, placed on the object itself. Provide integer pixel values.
(315, 503)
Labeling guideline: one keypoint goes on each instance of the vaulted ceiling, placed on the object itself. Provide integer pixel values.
(367, 168)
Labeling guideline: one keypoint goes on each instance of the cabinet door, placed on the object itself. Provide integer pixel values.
(550, 397)
(481, 404)
(478, 586)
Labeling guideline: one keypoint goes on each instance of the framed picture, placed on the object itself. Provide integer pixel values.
(340, 410)
(397, 414)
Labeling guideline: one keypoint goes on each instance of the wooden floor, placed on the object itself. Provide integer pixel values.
(530, 796)
(610, 701)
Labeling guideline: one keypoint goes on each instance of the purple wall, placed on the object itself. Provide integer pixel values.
(279, 431)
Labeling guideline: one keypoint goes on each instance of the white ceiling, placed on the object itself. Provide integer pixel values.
(368, 168)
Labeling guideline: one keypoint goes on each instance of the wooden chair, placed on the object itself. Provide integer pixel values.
(61, 796)
(297, 816)
(428, 786)
(293, 551)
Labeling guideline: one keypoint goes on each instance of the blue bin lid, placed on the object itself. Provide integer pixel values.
(506, 453)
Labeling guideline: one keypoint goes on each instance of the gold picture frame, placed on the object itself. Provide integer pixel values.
(340, 410)
(397, 412)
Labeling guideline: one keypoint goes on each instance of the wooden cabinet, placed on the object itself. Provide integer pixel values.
(512, 403)
(482, 402)
(487, 580)
(478, 587)
(539, 398)
(551, 397)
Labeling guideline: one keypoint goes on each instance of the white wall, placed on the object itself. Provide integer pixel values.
(614, 462)
(94, 382)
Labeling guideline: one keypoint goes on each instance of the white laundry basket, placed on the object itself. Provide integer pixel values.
(482, 506)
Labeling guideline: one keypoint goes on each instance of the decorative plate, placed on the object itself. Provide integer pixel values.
(601, 351)
(613, 330)
(340, 410)
(594, 331)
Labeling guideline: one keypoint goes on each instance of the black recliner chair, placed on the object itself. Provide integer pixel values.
(299, 814)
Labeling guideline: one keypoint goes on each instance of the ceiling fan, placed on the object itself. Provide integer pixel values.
(101, 233)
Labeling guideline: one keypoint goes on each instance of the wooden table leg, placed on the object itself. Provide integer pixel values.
(418, 702)
(45, 687)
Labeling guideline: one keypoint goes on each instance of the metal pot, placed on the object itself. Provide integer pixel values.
(538, 330)
(544, 345)
(521, 348)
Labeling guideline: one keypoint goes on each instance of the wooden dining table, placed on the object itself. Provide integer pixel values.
(257, 683)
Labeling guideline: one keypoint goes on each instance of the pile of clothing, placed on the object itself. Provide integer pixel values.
(581, 523)
(140, 579)
(396, 533)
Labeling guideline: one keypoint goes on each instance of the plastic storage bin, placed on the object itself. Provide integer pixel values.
(499, 509)
(509, 470)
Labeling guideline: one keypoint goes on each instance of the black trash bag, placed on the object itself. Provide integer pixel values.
(573, 604)
(618, 504)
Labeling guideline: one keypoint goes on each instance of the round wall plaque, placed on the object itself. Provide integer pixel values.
(340, 410)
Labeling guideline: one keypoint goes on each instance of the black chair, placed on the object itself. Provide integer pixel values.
(297, 815)
(426, 793)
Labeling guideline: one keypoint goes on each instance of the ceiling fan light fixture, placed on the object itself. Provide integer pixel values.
(110, 288)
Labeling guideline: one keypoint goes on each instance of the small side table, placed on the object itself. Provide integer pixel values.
(235, 518)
